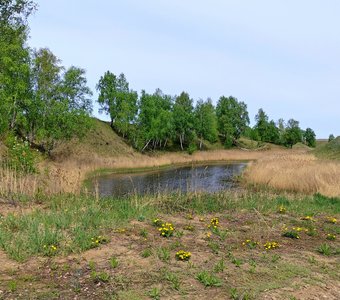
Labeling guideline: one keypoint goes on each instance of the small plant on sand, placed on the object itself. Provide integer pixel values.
(324, 249)
(146, 253)
(154, 293)
(220, 266)
(143, 233)
(189, 227)
(236, 261)
(271, 245)
(183, 255)
(173, 278)
(208, 279)
(98, 277)
(99, 240)
(114, 262)
(250, 244)
(163, 254)
(330, 237)
(166, 230)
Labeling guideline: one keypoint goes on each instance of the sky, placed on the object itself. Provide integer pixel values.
(279, 55)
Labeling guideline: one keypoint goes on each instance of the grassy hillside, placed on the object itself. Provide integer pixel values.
(329, 150)
(101, 140)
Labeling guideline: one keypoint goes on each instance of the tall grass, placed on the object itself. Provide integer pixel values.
(295, 172)
(70, 222)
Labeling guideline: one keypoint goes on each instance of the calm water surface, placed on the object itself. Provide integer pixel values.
(205, 178)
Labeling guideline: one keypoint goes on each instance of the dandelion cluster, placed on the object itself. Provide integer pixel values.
(183, 255)
(166, 230)
(330, 237)
(282, 210)
(307, 218)
(157, 222)
(332, 220)
(214, 223)
(250, 244)
(271, 245)
(96, 241)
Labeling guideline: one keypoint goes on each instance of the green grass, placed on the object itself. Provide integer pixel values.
(330, 150)
(70, 222)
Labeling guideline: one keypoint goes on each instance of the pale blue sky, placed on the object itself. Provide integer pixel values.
(281, 55)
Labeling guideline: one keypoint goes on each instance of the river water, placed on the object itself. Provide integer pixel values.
(194, 178)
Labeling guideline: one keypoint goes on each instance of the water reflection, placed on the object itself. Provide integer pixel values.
(207, 178)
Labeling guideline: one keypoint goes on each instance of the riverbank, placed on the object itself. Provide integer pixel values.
(80, 247)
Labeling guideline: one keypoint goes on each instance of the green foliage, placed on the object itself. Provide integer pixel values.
(293, 133)
(116, 99)
(266, 130)
(309, 137)
(20, 156)
(192, 148)
(205, 121)
(155, 120)
(183, 119)
(232, 117)
(331, 138)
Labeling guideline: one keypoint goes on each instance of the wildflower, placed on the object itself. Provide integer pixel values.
(214, 223)
(330, 237)
(166, 230)
(250, 244)
(332, 220)
(201, 219)
(183, 255)
(157, 222)
(307, 218)
(271, 245)
(282, 209)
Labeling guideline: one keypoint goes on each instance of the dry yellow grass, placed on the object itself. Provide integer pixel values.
(298, 172)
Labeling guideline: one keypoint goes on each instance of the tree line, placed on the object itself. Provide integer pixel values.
(44, 103)
(152, 121)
